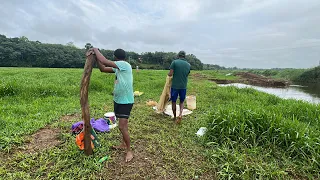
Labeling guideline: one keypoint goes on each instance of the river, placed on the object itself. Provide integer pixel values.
(305, 92)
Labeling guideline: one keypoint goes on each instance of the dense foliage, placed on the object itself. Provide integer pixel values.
(217, 67)
(296, 75)
(248, 124)
(20, 52)
(312, 76)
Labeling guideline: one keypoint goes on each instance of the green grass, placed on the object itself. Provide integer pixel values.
(286, 74)
(310, 75)
(251, 135)
(34, 98)
(289, 74)
(254, 129)
(220, 74)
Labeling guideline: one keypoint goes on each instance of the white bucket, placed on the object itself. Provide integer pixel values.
(191, 102)
(111, 116)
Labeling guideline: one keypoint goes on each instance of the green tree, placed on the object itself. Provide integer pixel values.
(25, 53)
(24, 39)
(70, 44)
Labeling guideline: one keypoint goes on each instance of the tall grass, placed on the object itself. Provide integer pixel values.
(249, 120)
(296, 75)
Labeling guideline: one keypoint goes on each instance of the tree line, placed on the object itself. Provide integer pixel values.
(310, 76)
(21, 52)
(217, 67)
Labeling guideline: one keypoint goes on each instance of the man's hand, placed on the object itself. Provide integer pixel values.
(104, 61)
(89, 52)
(95, 50)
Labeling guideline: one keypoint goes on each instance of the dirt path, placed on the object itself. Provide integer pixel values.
(160, 153)
(44, 138)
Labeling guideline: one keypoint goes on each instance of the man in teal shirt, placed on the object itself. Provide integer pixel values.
(123, 96)
(180, 70)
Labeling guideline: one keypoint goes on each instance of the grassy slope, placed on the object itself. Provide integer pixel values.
(286, 74)
(311, 75)
(36, 97)
(162, 149)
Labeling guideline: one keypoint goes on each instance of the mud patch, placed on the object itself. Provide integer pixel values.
(146, 164)
(258, 80)
(253, 79)
(143, 166)
(70, 117)
(133, 169)
(199, 76)
(224, 81)
(43, 139)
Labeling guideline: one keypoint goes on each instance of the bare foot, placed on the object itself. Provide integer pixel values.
(121, 146)
(178, 121)
(129, 156)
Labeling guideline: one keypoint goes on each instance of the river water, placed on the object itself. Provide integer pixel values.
(306, 92)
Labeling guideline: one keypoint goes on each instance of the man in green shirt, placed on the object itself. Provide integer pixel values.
(123, 96)
(180, 70)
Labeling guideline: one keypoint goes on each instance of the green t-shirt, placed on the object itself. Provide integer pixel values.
(181, 70)
(123, 86)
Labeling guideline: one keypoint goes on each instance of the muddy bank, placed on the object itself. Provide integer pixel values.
(253, 79)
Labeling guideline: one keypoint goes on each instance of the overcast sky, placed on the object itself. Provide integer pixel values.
(242, 33)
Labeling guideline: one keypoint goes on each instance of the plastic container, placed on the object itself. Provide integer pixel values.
(104, 159)
(191, 102)
(201, 131)
(111, 116)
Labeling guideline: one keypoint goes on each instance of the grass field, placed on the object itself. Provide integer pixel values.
(286, 74)
(251, 135)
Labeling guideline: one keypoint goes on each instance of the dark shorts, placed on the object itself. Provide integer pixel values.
(175, 92)
(122, 110)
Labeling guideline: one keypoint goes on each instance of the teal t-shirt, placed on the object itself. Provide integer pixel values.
(123, 86)
(181, 70)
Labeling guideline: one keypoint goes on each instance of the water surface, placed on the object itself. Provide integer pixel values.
(305, 92)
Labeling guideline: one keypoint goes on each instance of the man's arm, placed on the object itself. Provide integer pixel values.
(171, 69)
(104, 69)
(103, 60)
(170, 72)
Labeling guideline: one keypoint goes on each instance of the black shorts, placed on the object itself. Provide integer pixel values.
(122, 110)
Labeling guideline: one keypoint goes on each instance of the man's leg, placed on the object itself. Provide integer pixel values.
(174, 110)
(116, 111)
(181, 108)
(178, 121)
(174, 97)
(122, 112)
(182, 95)
(122, 145)
(123, 126)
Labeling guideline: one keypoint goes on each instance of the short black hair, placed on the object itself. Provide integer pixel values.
(120, 54)
(182, 54)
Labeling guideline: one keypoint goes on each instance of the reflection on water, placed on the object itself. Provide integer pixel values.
(306, 92)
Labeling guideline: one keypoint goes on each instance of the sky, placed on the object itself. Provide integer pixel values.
(241, 33)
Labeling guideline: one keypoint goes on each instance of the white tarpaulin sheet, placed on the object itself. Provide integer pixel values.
(168, 111)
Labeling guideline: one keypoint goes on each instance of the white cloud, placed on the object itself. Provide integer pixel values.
(244, 33)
